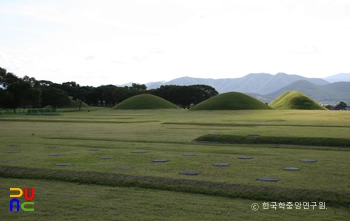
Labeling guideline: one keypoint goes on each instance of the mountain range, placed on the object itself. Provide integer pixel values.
(266, 87)
(261, 83)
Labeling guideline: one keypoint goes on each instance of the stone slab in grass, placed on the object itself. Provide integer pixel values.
(221, 164)
(291, 168)
(139, 151)
(308, 161)
(122, 168)
(56, 155)
(245, 157)
(12, 144)
(9, 161)
(160, 161)
(63, 164)
(106, 157)
(52, 146)
(190, 173)
(268, 179)
(11, 152)
(189, 154)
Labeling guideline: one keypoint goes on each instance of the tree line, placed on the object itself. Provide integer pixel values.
(27, 92)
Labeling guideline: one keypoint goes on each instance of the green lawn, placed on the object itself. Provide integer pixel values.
(168, 134)
(70, 201)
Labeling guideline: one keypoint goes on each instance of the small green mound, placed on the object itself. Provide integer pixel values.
(75, 104)
(230, 101)
(145, 101)
(295, 100)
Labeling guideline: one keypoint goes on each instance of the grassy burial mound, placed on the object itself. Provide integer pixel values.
(230, 101)
(76, 104)
(295, 100)
(145, 101)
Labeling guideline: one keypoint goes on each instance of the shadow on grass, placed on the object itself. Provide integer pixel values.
(308, 141)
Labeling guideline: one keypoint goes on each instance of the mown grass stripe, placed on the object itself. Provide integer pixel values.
(271, 194)
(251, 124)
(59, 120)
(310, 141)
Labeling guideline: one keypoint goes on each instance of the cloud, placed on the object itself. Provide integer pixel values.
(304, 50)
(202, 17)
(118, 62)
(140, 58)
(157, 51)
(90, 57)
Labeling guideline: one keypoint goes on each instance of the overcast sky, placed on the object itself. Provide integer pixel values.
(96, 42)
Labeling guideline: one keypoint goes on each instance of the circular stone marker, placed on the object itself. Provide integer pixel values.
(308, 161)
(106, 157)
(11, 152)
(63, 164)
(221, 164)
(159, 161)
(190, 173)
(268, 179)
(189, 154)
(93, 150)
(9, 161)
(52, 146)
(291, 168)
(12, 144)
(122, 168)
(56, 154)
(245, 157)
(139, 151)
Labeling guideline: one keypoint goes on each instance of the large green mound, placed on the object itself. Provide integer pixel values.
(295, 100)
(230, 101)
(145, 101)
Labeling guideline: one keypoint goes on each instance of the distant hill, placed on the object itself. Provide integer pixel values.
(260, 83)
(230, 101)
(295, 100)
(326, 94)
(338, 78)
(145, 101)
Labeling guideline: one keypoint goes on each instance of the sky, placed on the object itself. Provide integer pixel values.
(100, 42)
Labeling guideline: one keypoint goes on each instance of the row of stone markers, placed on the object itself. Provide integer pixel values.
(189, 173)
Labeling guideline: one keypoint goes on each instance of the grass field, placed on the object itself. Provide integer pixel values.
(158, 190)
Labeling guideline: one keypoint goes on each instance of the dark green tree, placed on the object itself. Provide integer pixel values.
(94, 96)
(185, 96)
(19, 92)
(54, 97)
(341, 106)
(80, 95)
(6, 99)
(107, 95)
(140, 87)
